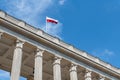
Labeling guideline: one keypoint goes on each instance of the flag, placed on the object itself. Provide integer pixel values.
(51, 20)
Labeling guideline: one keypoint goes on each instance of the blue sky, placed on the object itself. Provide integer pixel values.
(90, 25)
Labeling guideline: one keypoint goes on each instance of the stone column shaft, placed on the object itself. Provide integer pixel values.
(57, 69)
(38, 65)
(73, 72)
(88, 75)
(17, 59)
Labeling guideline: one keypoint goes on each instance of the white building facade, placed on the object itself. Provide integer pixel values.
(30, 52)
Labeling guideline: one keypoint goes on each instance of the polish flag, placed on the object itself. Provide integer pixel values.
(51, 20)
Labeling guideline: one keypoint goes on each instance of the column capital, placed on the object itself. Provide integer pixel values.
(101, 77)
(19, 43)
(39, 52)
(88, 73)
(57, 60)
(73, 67)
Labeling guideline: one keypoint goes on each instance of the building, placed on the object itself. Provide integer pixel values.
(36, 55)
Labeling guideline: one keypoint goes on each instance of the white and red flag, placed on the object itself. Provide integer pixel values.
(51, 20)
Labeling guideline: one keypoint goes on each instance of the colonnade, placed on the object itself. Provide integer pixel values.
(38, 67)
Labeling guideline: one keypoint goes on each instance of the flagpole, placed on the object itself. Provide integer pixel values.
(46, 24)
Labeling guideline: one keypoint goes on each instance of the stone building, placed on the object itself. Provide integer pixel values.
(30, 52)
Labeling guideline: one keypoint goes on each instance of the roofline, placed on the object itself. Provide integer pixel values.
(59, 44)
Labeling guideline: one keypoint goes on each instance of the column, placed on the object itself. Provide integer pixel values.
(38, 65)
(73, 72)
(102, 78)
(57, 69)
(88, 75)
(17, 59)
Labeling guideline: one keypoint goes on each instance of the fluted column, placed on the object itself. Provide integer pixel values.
(102, 78)
(73, 72)
(88, 75)
(57, 69)
(38, 65)
(17, 59)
